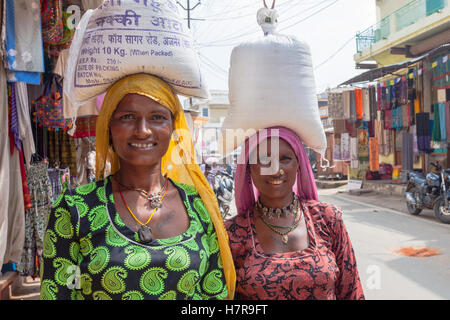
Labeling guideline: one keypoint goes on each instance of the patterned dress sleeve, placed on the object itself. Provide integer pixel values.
(213, 284)
(59, 264)
(348, 284)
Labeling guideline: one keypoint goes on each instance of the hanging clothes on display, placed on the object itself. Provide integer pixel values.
(25, 127)
(363, 145)
(423, 132)
(374, 155)
(407, 151)
(358, 103)
(336, 105)
(366, 105)
(59, 179)
(353, 115)
(354, 163)
(5, 159)
(23, 41)
(61, 150)
(373, 102)
(345, 147)
(337, 155)
(35, 218)
(442, 124)
(346, 102)
(436, 135)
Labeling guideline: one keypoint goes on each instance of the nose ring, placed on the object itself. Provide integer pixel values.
(281, 171)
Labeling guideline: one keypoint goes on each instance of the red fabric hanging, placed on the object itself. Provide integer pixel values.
(359, 103)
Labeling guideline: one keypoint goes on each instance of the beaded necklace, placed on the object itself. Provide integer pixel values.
(273, 227)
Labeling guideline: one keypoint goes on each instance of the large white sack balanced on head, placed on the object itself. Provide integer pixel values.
(271, 83)
(123, 37)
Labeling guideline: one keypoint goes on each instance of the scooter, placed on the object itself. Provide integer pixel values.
(429, 191)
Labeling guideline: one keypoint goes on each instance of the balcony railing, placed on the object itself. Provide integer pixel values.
(407, 15)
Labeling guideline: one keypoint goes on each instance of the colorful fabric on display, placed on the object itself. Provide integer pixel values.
(179, 161)
(353, 115)
(337, 152)
(345, 147)
(325, 270)
(26, 191)
(358, 103)
(373, 102)
(388, 139)
(406, 118)
(346, 102)
(35, 219)
(14, 121)
(436, 136)
(416, 106)
(374, 155)
(336, 105)
(447, 119)
(380, 97)
(363, 145)
(339, 126)
(387, 119)
(86, 232)
(414, 133)
(407, 151)
(353, 148)
(85, 127)
(423, 131)
(366, 105)
(23, 41)
(61, 150)
(397, 118)
(403, 92)
(442, 124)
(378, 129)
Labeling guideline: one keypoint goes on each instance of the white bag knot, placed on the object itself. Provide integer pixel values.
(267, 19)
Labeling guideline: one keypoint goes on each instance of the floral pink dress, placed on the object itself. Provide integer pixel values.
(326, 270)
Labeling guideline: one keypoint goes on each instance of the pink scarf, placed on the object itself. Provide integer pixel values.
(246, 193)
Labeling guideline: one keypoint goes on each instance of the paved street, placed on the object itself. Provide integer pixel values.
(378, 232)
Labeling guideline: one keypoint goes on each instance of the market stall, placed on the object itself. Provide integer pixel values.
(396, 121)
(40, 154)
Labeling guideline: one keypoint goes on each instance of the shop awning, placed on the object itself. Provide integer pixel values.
(377, 73)
(380, 72)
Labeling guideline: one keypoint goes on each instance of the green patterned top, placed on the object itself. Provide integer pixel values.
(89, 253)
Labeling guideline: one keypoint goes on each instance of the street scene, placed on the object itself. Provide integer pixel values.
(231, 150)
(380, 230)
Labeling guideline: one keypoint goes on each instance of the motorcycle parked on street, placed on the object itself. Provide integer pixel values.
(429, 191)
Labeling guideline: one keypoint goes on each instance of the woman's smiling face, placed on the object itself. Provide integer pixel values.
(273, 168)
(141, 130)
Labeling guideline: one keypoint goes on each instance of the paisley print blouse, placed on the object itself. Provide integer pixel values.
(325, 270)
(89, 253)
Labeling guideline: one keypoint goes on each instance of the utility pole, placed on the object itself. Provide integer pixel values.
(188, 10)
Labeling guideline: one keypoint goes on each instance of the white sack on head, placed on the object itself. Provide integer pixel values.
(123, 37)
(271, 83)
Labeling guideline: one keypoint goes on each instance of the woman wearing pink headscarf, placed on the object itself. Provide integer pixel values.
(285, 243)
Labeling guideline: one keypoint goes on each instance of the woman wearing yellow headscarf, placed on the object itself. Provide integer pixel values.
(150, 230)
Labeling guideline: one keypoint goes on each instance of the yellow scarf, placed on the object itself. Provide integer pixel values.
(178, 162)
